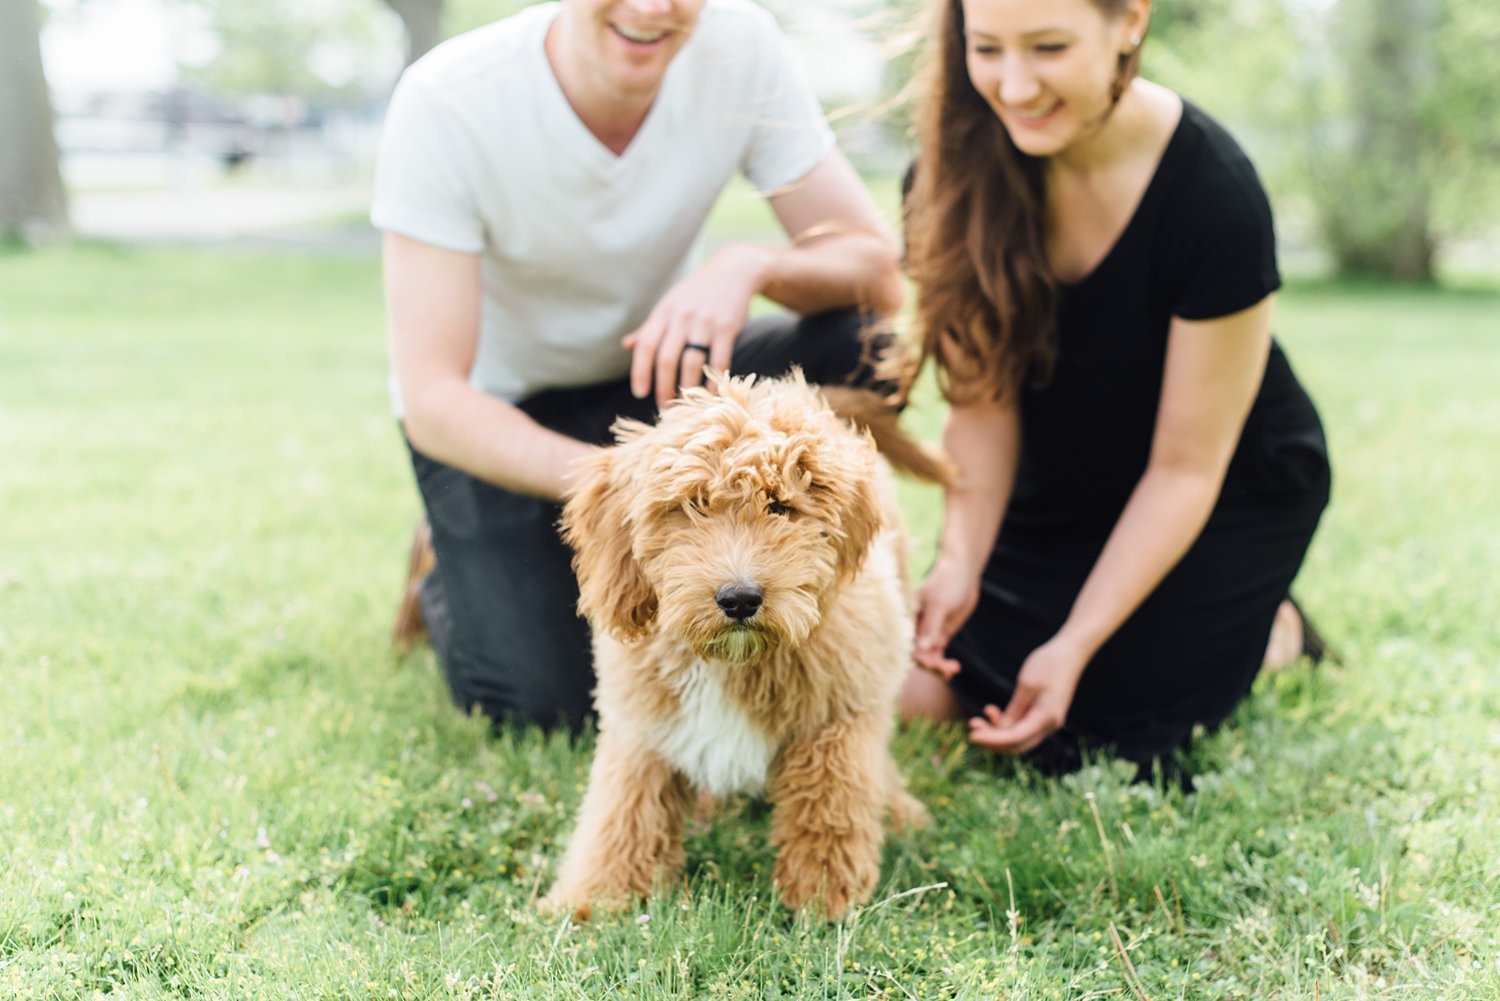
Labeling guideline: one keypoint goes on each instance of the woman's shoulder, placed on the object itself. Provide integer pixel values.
(1214, 167)
(1219, 235)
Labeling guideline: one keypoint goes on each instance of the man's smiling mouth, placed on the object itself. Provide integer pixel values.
(640, 37)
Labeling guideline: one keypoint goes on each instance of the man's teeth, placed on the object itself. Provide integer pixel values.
(640, 36)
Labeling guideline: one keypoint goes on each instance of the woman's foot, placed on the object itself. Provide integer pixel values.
(1285, 644)
(1293, 636)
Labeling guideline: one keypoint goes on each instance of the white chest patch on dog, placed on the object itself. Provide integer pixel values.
(711, 739)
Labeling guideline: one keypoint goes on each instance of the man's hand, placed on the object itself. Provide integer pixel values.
(695, 324)
(1044, 692)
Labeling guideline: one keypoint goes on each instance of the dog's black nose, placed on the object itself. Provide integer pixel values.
(739, 600)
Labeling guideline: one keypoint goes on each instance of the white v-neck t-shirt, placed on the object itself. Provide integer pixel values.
(483, 154)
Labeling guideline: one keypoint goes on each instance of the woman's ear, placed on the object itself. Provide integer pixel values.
(613, 593)
(1136, 20)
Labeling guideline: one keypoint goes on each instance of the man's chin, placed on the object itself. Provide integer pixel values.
(638, 82)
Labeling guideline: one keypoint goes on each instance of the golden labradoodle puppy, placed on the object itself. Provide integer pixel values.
(742, 565)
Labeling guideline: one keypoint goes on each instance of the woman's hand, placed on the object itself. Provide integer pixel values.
(695, 324)
(1044, 691)
(945, 601)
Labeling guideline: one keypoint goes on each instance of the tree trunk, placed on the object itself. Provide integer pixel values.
(1377, 188)
(33, 204)
(423, 21)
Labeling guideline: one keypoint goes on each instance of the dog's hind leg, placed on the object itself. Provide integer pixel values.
(831, 794)
(907, 812)
(629, 834)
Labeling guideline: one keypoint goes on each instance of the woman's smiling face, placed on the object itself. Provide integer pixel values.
(1047, 67)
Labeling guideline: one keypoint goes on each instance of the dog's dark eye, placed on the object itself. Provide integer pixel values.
(698, 505)
(778, 508)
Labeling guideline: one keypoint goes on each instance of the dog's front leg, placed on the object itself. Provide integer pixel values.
(629, 833)
(830, 794)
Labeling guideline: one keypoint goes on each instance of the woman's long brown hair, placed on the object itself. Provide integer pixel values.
(976, 221)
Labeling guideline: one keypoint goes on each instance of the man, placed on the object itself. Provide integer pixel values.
(542, 183)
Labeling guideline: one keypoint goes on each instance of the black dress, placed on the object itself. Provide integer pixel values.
(1200, 245)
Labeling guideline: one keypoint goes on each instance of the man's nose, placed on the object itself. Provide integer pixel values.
(654, 7)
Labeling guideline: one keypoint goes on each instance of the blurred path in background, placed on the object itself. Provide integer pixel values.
(328, 214)
(250, 213)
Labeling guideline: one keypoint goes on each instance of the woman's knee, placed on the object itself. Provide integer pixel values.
(924, 695)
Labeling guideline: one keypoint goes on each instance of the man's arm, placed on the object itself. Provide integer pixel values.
(433, 301)
(841, 254)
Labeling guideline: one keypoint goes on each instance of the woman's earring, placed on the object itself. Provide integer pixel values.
(1135, 41)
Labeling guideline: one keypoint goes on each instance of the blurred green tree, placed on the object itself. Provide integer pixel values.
(423, 22)
(462, 15)
(322, 48)
(1375, 119)
(33, 202)
(428, 22)
(1376, 161)
(312, 48)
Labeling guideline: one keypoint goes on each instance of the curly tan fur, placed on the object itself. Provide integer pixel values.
(760, 484)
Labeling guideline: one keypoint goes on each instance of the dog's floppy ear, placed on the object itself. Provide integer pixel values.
(857, 499)
(613, 593)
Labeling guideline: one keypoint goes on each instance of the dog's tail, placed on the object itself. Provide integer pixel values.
(871, 411)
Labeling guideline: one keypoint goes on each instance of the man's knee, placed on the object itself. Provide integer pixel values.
(525, 699)
(547, 713)
(836, 347)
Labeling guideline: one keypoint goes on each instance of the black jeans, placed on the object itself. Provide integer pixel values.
(501, 605)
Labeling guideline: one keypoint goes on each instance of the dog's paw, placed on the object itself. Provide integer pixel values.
(828, 898)
(585, 900)
(705, 807)
(908, 813)
(558, 903)
(829, 882)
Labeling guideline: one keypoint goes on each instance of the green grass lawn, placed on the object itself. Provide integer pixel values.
(216, 782)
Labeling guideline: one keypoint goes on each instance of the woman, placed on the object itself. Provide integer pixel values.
(1095, 263)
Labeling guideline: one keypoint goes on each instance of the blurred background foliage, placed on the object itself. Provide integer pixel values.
(1374, 117)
